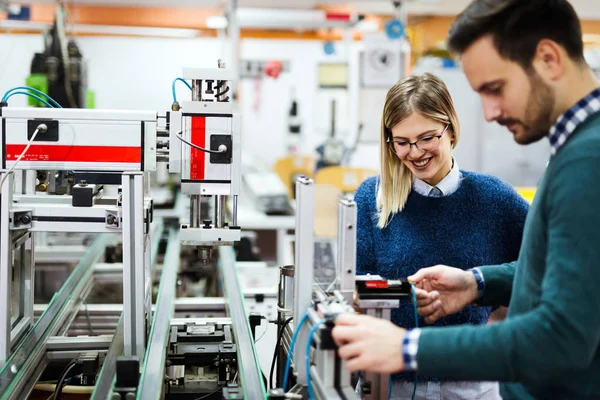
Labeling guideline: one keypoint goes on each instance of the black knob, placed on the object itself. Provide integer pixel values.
(207, 223)
(25, 219)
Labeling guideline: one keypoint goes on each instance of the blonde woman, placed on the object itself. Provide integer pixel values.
(423, 210)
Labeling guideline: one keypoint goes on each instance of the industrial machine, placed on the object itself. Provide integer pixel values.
(154, 343)
(116, 151)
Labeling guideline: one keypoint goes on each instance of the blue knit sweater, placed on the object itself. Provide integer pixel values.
(479, 224)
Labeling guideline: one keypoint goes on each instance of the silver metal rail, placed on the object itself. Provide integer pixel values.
(153, 373)
(28, 359)
(248, 364)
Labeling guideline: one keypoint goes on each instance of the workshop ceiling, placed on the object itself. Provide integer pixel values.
(587, 9)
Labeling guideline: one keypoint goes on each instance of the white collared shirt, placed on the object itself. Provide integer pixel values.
(446, 186)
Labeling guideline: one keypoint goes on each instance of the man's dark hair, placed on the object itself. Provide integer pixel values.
(517, 26)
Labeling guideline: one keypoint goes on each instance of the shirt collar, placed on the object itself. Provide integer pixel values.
(566, 124)
(447, 186)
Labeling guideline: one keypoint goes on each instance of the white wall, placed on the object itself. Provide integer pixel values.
(125, 73)
(265, 103)
(136, 73)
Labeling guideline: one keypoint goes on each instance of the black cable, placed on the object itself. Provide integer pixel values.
(210, 394)
(200, 148)
(276, 352)
(62, 378)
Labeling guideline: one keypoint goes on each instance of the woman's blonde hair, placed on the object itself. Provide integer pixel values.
(424, 94)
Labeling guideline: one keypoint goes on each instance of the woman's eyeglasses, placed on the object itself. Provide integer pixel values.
(428, 143)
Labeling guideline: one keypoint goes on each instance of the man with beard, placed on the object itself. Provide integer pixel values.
(525, 59)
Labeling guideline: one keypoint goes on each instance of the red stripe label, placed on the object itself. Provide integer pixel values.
(337, 17)
(197, 156)
(60, 153)
(376, 285)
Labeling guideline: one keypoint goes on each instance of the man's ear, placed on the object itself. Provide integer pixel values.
(549, 60)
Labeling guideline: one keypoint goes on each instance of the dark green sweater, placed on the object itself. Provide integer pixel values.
(547, 348)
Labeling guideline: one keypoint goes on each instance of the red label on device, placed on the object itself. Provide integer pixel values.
(376, 285)
(331, 16)
(197, 156)
(68, 153)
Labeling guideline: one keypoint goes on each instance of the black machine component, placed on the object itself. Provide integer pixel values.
(51, 134)
(128, 375)
(62, 64)
(202, 360)
(377, 288)
(215, 142)
(83, 194)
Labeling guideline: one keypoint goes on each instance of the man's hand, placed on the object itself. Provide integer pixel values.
(442, 291)
(369, 344)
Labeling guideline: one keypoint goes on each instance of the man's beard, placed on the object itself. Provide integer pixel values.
(538, 114)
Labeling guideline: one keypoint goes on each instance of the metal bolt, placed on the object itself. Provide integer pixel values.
(110, 219)
(350, 226)
(25, 219)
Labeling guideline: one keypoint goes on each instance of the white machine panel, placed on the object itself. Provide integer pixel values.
(94, 140)
(197, 164)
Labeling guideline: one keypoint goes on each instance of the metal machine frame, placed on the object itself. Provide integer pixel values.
(202, 142)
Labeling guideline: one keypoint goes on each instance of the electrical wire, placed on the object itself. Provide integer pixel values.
(291, 352)
(201, 148)
(173, 87)
(311, 334)
(276, 352)
(414, 293)
(40, 128)
(32, 96)
(36, 91)
(207, 395)
(61, 380)
(264, 332)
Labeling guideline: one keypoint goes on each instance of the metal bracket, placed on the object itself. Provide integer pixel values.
(113, 219)
(21, 219)
(147, 219)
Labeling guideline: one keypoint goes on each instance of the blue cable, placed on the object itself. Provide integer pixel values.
(308, 346)
(414, 293)
(173, 87)
(288, 363)
(39, 92)
(30, 95)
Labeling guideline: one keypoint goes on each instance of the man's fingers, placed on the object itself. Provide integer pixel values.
(435, 316)
(425, 298)
(350, 350)
(424, 273)
(348, 319)
(421, 294)
(429, 309)
(355, 364)
(343, 334)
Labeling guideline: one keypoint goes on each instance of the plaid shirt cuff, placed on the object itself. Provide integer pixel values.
(480, 282)
(410, 345)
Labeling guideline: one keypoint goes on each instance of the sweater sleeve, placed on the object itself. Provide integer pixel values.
(365, 251)
(498, 280)
(561, 334)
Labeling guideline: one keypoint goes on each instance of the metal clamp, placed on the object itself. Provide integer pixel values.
(112, 219)
(21, 219)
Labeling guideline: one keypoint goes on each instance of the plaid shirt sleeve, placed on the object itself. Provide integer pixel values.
(410, 346)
